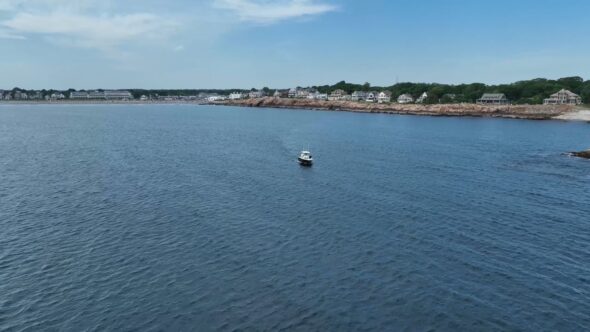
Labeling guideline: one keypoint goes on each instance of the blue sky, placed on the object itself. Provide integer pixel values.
(282, 43)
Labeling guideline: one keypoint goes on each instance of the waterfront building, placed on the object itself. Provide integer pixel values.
(493, 99)
(256, 94)
(281, 93)
(372, 97)
(384, 97)
(20, 95)
(359, 95)
(405, 99)
(58, 96)
(338, 94)
(292, 93)
(78, 95)
(304, 93)
(117, 95)
(317, 96)
(96, 95)
(563, 97)
(422, 98)
(236, 95)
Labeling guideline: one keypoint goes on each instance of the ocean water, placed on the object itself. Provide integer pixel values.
(198, 218)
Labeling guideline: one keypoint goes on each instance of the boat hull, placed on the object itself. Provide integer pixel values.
(305, 162)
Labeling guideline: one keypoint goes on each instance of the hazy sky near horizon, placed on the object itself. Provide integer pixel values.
(85, 44)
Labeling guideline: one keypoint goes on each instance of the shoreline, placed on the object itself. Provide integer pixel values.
(101, 102)
(528, 112)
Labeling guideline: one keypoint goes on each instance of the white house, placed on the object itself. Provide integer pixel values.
(256, 94)
(422, 98)
(384, 97)
(59, 96)
(318, 96)
(563, 97)
(304, 93)
(236, 95)
(405, 99)
(292, 93)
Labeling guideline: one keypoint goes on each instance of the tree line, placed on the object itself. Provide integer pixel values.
(522, 92)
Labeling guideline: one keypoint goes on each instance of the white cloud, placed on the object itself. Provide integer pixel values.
(104, 32)
(271, 11)
(81, 23)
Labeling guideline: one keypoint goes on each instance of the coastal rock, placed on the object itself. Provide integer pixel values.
(534, 112)
(581, 154)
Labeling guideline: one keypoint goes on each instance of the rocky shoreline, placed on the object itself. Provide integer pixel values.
(532, 112)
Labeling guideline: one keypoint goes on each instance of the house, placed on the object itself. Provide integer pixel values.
(359, 95)
(405, 99)
(237, 95)
(422, 98)
(256, 94)
(304, 93)
(384, 97)
(493, 99)
(58, 96)
(292, 92)
(372, 97)
(338, 94)
(143, 98)
(210, 99)
(281, 94)
(117, 95)
(19, 95)
(317, 96)
(563, 97)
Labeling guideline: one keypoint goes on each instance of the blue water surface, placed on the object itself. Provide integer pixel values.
(184, 218)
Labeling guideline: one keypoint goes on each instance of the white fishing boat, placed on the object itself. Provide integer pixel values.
(305, 158)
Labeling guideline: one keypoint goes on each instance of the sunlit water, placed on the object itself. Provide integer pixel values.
(199, 218)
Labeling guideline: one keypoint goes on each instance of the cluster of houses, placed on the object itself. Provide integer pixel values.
(559, 98)
(41, 95)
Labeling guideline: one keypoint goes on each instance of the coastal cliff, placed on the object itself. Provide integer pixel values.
(533, 112)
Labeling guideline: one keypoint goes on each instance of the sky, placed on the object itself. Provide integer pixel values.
(197, 44)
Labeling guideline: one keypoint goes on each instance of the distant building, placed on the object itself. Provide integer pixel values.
(281, 94)
(317, 96)
(372, 97)
(143, 98)
(256, 94)
(20, 95)
(493, 99)
(384, 97)
(57, 96)
(292, 93)
(96, 95)
(78, 95)
(304, 93)
(216, 98)
(405, 99)
(237, 95)
(563, 97)
(359, 95)
(117, 95)
(338, 94)
(422, 98)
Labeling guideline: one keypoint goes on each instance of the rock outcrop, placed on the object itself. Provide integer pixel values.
(581, 154)
(536, 112)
